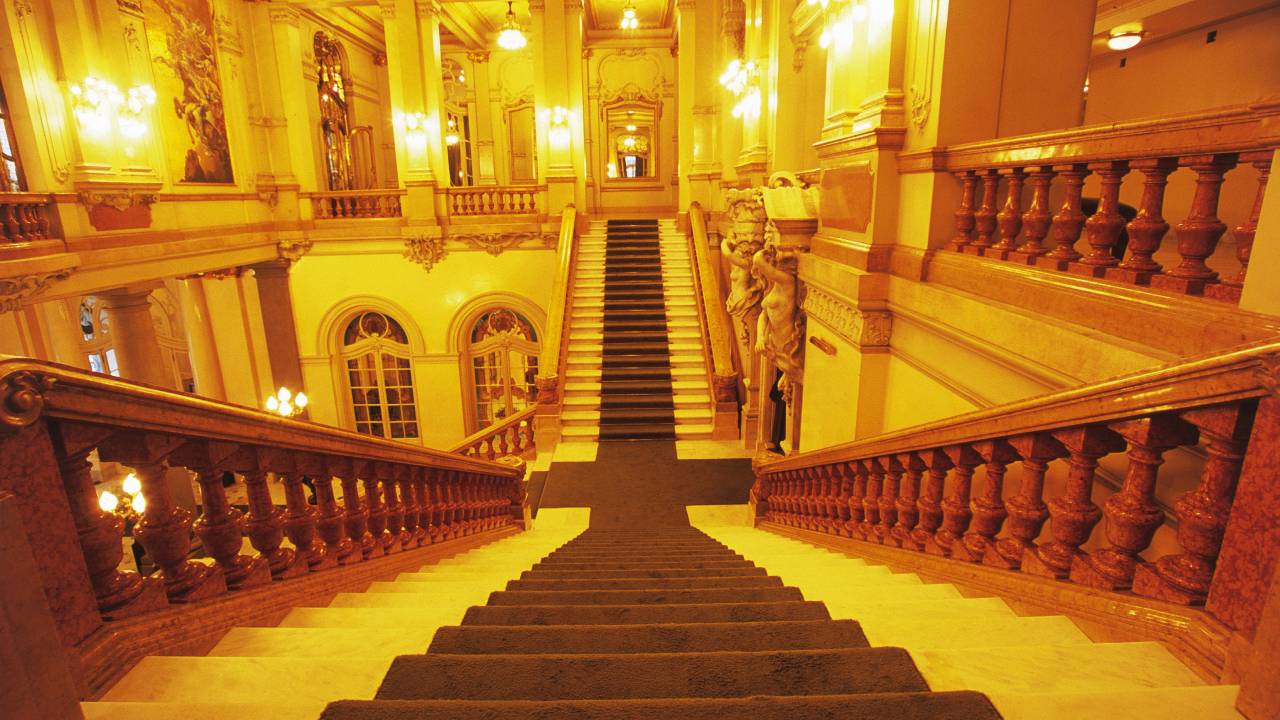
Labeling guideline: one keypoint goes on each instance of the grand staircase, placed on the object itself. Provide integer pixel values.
(636, 367)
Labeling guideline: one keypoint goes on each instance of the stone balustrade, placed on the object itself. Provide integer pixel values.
(26, 217)
(940, 488)
(512, 435)
(996, 219)
(357, 204)
(389, 497)
(497, 200)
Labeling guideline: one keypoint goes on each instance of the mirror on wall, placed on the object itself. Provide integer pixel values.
(522, 135)
(631, 148)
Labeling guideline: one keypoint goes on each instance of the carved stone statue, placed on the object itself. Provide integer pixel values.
(746, 237)
(781, 326)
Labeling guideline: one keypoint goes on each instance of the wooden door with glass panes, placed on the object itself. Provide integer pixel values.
(380, 377)
(504, 364)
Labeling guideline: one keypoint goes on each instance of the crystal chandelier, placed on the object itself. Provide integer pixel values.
(629, 19)
(511, 37)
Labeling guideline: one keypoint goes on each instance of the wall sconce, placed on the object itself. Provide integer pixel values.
(629, 19)
(743, 81)
(285, 404)
(558, 118)
(99, 106)
(451, 135)
(414, 126)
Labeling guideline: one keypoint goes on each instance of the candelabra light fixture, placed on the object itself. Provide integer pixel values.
(451, 134)
(743, 81)
(558, 120)
(414, 126)
(131, 505)
(99, 106)
(511, 37)
(629, 20)
(287, 404)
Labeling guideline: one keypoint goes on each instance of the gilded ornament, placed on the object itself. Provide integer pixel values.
(425, 250)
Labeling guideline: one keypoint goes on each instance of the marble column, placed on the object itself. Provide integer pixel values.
(482, 124)
(201, 346)
(278, 322)
(138, 353)
(293, 105)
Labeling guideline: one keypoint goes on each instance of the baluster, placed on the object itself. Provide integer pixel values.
(1074, 513)
(218, 528)
(843, 482)
(984, 219)
(908, 512)
(1199, 233)
(888, 498)
(871, 500)
(331, 520)
(377, 521)
(930, 502)
(410, 536)
(357, 518)
(449, 529)
(435, 479)
(30, 227)
(1010, 216)
(467, 498)
(988, 508)
(395, 510)
(1037, 218)
(1148, 228)
(300, 524)
(119, 593)
(1103, 228)
(1069, 221)
(1132, 513)
(12, 228)
(265, 528)
(504, 446)
(490, 453)
(165, 533)
(423, 501)
(834, 522)
(808, 500)
(956, 513)
(1027, 511)
(1202, 513)
(1229, 288)
(43, 222)
(823, 502)
(856, 511)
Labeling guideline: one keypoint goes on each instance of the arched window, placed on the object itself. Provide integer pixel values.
(503, 352)
(96, 342)
(335, 120)
(11, 178)
(375, 350)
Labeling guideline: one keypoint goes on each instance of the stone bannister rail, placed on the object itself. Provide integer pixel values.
(26, 217)
(512, 435)
(391, 498)
(554, 346)
(357, 204)
(499, 200)
(915, 489)
(993, 219)
(716, 325)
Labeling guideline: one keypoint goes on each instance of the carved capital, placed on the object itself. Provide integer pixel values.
(284, 14)
(22, 8)
(425, 250)
(725, 388)
(14, 291)
(379, 58)
(478, 56)
(548, 390)
(872, 328)
(427, 8)
(22, 398)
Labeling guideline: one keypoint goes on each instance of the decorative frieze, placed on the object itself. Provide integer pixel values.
(292, 249)
(861, 328)
(495, 243)
(14, 291)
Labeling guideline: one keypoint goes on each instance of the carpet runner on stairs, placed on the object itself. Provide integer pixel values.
(637, 399)
(631, 624)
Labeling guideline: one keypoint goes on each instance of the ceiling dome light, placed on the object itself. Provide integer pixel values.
(511, 37)
(1124, 40)
(629, 19)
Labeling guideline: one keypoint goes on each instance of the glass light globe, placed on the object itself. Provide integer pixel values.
(286, 409)
(131, 485)
(300, 400)
(284, 394)
(1124, 40)
(139, 504)
(511, 39)
(108, 501)
(273, 404)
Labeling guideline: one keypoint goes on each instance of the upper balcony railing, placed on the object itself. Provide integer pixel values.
(992, 220)
(495, 200)
(510, 436)
(53, 418)
(26, 217)
(357, 204)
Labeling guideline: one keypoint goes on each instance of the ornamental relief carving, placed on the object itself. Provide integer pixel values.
(425, 250)
(16, 290)
(862, 329)
(293, 249)
(497, 242)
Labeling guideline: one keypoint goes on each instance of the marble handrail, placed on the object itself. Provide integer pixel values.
(554, 347)
(712, 312)
(54, 417)
(513, 435)
(354, 204)
(915, 488)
